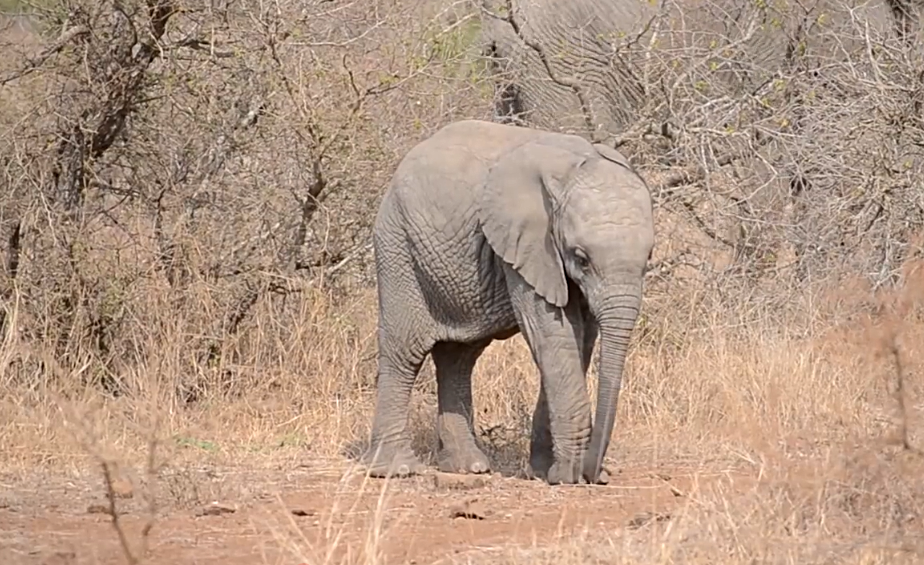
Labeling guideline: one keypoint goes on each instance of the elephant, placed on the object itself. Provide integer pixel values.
(491, 230)
(546, 56)
(575, 38)
(537, 48)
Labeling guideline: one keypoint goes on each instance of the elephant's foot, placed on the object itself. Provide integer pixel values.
(541, 467)
(564, 473)
(540, 461)
(464, 460)
(391, 461)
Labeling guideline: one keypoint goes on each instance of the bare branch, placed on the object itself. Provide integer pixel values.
(68, 36)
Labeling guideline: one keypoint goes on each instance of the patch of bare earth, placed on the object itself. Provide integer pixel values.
(306, 516)
(861, 509)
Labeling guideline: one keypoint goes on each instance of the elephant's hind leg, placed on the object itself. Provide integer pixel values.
(390, 452)
(458, 452)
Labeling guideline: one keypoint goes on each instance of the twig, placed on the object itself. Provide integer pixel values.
(148, 492)
(114, 515)
(66, 37)
(899, 392)
(13, 250)
(899, 395)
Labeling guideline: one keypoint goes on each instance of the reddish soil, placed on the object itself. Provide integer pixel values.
(279, 519)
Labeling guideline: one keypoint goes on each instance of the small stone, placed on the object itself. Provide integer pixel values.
(458, 482)
(470, 509)
(215, 509)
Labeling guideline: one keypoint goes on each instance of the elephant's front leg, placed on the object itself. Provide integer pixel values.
(555, 338)
(458, 452)
(541, 455)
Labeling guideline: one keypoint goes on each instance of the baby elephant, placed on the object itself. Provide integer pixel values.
(488, 230)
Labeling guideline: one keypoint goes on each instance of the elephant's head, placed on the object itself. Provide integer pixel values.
(560, 209)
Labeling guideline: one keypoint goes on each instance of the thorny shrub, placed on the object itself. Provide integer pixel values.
(168, 166)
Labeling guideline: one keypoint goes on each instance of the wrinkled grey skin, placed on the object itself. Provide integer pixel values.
(577, 37)
(603, 45)
(488, 230)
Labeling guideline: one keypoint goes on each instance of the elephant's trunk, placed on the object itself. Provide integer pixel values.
(616, 320)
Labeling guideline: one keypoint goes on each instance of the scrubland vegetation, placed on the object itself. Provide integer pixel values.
(186, 196)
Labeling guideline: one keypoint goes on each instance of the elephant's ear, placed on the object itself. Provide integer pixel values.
(612, 154)
(516, 208)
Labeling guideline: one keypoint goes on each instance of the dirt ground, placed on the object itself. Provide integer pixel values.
(321, 516)
(754, 433)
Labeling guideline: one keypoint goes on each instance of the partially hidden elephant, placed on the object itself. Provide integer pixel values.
(576, 38)
(602, 46)
(488, 230)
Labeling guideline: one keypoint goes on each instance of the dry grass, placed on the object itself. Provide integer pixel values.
(813, 419)
(238, 353)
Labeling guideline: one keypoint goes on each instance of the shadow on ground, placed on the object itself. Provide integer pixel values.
(506, 448)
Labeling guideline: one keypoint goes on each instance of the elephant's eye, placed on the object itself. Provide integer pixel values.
(580, 259)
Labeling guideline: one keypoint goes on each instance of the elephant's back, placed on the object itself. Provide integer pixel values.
(438, 180)
(479, 139)
(459, 154)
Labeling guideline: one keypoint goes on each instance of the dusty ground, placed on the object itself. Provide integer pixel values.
(797, 510)
(301, 515)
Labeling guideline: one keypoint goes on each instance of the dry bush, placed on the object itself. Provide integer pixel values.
(185, 227)
(172, 167)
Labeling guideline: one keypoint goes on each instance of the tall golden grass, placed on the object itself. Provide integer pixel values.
(824, 412)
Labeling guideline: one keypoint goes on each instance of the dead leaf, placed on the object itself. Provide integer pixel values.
(646, 518)
(459, 482)
(99, 509)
